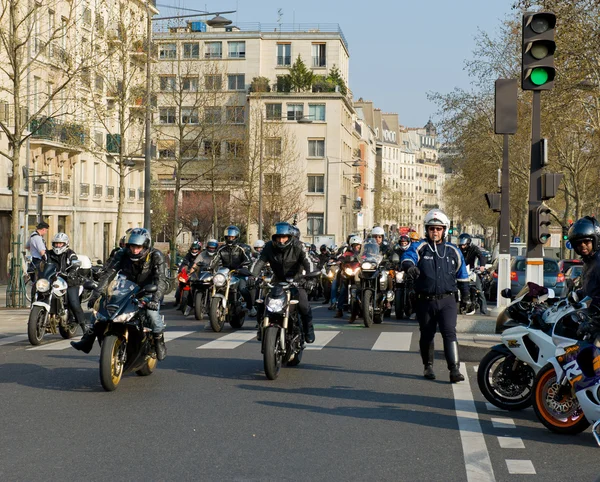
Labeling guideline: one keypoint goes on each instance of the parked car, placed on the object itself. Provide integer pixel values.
(565, 264)
(572, 279)
(553, 277)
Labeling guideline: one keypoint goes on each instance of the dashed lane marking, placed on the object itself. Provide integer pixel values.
(12, 339)
(229, 342)
(503, 423)
(321, 339)
(390, 341)
(511, 443)
(173, 335)
(520, 467)
(57, 345)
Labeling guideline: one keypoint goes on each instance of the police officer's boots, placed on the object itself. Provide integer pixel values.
(427, 354)
(159, 346)
(87, 340)
(451, 352)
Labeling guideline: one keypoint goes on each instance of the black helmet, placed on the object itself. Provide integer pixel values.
(585, 228)
(323, 248)
(464, 240)
(234, 232)
(138, 237)
(283, 229)
(196, 246)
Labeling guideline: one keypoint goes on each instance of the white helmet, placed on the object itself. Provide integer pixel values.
(60, 238)
(435, 217)
(259, 243)
(377, 231)
(355, 240)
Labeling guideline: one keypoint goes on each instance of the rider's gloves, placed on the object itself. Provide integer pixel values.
(413, 272)
(152, 305)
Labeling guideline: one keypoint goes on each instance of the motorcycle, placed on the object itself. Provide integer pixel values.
(350, 269)
(123, 331)
(372, 295)
(506, 373)
(404, 295)
(49, 313)
(200, 284)
(226, 300)
(328, 274)
(281, 328)
(184, 288)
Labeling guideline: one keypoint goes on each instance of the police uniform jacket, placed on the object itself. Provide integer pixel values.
(231, 256)
(286, 263)
(440, 273)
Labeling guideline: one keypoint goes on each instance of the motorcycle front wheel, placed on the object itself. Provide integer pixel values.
(508, 390)
(273, 352)
(111, 368)
(559, 413)
(68, 330)
(199, 305)
(36, 328)
(367, 305)
(216, 315)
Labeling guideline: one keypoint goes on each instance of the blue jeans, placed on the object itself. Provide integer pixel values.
(334, 291)
(156, 321)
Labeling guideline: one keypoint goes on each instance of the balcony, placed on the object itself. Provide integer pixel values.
(110, 192)
(98, 188)
(84, 190)
(52, 187)
(65, 188)
(54, 131)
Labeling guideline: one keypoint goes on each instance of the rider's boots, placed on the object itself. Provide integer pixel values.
(160, 347)
(87, 340)
(451, 353)
(309, 330)
(427, 354)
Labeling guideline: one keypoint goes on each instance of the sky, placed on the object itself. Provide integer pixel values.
(399, 50)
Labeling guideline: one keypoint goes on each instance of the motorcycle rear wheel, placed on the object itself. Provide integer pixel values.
(216, 315)
(273, 353)
(35, 326)
(563, 416)
(148, 368)
(367, 306)
(69, 331)
(199, 306)
(489, 367)
(111, 369)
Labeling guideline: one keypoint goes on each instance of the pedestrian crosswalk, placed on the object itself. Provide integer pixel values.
(385, 341)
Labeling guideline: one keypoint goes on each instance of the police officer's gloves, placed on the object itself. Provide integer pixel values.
(152, 305)
(413, 272)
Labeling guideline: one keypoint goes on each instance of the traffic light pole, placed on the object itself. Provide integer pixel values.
(535, 261)
(504, 235)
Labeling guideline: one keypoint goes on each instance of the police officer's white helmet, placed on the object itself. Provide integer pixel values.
(259, 243)
(60, 238)
(355, 240)
(435, 217)
(377, 231)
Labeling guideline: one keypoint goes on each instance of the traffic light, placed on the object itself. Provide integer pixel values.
(537, 65)
(541, 224)
(565, 232)
(493, 200)
(451, 229)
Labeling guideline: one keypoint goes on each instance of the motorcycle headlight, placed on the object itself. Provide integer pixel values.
(399, 276)
(275, 305)
(219, 280)
(42, 285)
(367, 266)
(124, 317)
(349, 271)
(330, 274)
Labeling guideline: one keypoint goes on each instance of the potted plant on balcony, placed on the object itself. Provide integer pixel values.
(260, 84)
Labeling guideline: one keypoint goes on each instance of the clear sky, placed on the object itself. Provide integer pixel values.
(399, 50)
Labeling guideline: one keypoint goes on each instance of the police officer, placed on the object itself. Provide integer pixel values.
(37, 247)
(584, 236)
(287, 258)
(472, 254)
(440, 270)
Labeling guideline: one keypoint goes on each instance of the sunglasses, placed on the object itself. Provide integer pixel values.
(582, 241)
(435, 228)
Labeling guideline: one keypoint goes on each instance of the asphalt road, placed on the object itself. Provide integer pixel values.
(356, 409)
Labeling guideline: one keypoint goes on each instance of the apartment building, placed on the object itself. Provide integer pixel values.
(306, 135)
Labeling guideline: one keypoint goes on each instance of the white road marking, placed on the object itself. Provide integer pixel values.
(503, 423)
(493, 408)
(173, 335)
(511, 443)
(475, 367)
(12, 339)
(321, 339)
(388, 341)
(57, 345)
(476, 456)
(520, 467)
(229, 342)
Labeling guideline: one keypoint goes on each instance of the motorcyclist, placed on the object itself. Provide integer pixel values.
(349, 256)
(143, 265)
(584, 236)
(472, 254)
(62, 256)
(378, 234)
(414, 237)
(287, 259)
(258, 246)
(116, 250)
(201, 263)
(439, 268)
(187, 263)
(403, 244)
(233, 256)
(323, 256)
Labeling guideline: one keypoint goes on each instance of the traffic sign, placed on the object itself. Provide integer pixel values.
(568, 245)
(517, 240)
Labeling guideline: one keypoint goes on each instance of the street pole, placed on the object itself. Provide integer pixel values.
(504, 234)
(535, 261)
(148, 140)
(260, 182)
(327, 195)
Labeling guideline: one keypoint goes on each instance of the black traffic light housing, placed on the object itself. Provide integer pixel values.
(537, 64)
(541, 224)
(565, 233)
(493, 200)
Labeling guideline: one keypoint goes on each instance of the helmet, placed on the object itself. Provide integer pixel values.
(313, 248)
(138, 237)
(377, 231)
(211, 247)
(464, 240)
(259, 244)
(435, 217)
(196, 246)
(323, 248)
(231, 231)
(414, 236)
(60, 238)
(406, 239)
(283, 229)
(585, 228)
(296, 232)
(355, 240)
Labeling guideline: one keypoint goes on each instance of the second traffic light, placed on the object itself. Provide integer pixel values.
(537, 65)
(541, 224)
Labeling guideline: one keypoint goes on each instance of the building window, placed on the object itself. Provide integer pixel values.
(235, 114)
(236, 82)
(212, 148)
(273, 183)
(235, 149)
(167, 115)
(273, 111)
(316, 148)
(189, 84)
(191, 50)
(316, 183)
(213, 82)
(166, 149)
(189, 115)
(314, 224)
(237, 50)
(212, 115)
(295, 111)
(189, 149)
(284, 55)
(318, 55)
(316, 112)
(167, 51)
(273, 147)
(167, 83)
(213, 50)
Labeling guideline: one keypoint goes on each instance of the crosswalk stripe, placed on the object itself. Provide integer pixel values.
(321, 339)
(498, 422)
(388, 341)
(12, 339)
(173, 335)
(229, 342)
(57, 345)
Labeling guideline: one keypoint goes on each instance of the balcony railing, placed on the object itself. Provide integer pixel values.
(84, 190)
(284, 60)
(319, 61)
(65, 187)
(52, 187)
(131, 193)
(98, 188)
(56, 131)
(110, 192)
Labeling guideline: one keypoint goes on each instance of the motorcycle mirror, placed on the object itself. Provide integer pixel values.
(395, 258)
(90, 285)
(75, 263)
(506, 293)
(150, 288)
(573, 297)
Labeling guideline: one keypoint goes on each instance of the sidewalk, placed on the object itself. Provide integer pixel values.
(3, 288)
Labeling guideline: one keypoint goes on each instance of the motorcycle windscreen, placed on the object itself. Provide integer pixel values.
(47, 270)
(370, 252)
(118, 296)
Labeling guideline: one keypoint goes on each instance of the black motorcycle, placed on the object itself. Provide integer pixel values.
(200, 285)
(474, 294)
(282, 333)
(226, 300)
(404, 297)
(124, 331)
(373, 278)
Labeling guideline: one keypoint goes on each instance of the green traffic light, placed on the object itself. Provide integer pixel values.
(539, 76)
